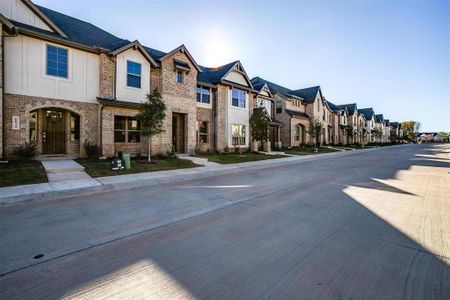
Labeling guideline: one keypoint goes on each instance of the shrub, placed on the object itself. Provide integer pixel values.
(92, 149)
(25, 151)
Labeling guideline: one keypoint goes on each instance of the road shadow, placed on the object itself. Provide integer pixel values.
(348, 237)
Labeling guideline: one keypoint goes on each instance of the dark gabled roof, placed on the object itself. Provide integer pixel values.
(394, 124)
(379, 118)
(155, 54)
(308, 94)
(386, 122)
(83, 32)
(332, 106)
(274, 88)
(257, 84)
(214, 75)
(294, 113)
(367, 112)
(351, 108)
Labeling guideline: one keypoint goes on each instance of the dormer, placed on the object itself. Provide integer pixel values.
(237, 75)
(133, 66)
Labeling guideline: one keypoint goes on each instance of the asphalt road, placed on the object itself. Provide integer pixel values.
(373, 225)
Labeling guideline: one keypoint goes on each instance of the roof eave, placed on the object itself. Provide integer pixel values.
(185, 51)
(136, 46)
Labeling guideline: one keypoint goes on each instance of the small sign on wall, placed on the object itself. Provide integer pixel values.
(15, 122)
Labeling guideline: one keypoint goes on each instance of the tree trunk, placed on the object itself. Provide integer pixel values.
(149, 149)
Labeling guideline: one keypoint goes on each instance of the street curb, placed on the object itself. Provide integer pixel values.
(173, 176)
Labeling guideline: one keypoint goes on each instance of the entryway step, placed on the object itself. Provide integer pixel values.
(62, 166)
(62, 176)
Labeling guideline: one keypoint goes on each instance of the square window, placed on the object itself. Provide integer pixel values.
(127, 130)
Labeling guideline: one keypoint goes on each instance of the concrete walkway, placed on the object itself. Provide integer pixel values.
(85, 186)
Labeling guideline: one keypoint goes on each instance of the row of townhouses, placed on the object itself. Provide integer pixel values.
(65, 81)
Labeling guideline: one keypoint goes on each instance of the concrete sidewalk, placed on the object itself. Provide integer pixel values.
(69, 188)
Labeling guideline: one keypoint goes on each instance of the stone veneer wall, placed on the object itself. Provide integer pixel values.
(21, 105)
(107, 76)
(221, 107)
(179, 98)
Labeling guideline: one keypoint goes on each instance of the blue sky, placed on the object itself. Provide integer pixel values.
(392, 56)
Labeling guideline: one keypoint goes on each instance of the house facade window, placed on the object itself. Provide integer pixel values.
(278, 107)
(57, 61)
(74, 127)
(203, 95)
(297, 133)
(202, 132)
(238, 98)
(134, 72)
(127, 130)
(180, 76)
(238, 134)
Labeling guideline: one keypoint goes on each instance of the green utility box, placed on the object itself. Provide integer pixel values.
(126, 160)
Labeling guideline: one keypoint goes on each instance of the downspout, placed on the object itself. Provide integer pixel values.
(101, 127)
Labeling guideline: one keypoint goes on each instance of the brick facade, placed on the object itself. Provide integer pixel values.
(21, 106)
(109, 147)
(107, 76)
(289, 123)
(179, 98)
(221, 107)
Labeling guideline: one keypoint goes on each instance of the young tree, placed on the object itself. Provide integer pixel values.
(152, 114)
(377, 133)
(410, 130)
(444, 136)
(394, 136)
(259, 124)
(315, 131)
(350, 132)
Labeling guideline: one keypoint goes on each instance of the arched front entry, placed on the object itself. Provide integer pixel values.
(56, 131)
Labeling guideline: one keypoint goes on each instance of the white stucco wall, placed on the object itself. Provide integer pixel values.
(124, 92)
(25, 71)
(238, 116)
(16, 10)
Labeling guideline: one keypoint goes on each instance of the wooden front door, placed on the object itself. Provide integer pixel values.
(178, 136)
(54, 133)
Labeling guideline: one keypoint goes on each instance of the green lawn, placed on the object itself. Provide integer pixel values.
(232, 158)
(100, 167)
(17, 172)
(308, 150)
